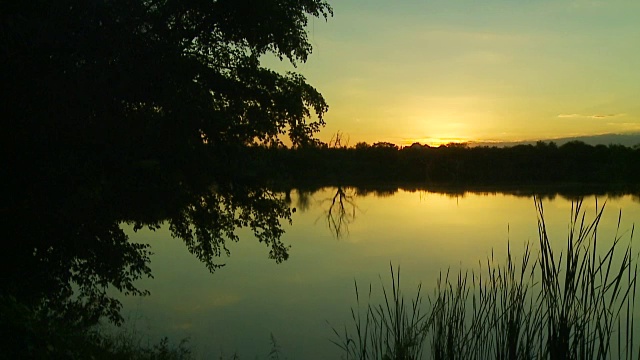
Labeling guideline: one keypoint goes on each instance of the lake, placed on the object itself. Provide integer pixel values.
(238, 308)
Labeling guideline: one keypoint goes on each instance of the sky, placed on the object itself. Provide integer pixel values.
(439, 71)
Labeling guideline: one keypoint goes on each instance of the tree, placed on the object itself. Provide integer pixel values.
(385, 145)
(129, 110)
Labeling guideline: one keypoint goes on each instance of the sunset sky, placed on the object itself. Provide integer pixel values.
(437, 71)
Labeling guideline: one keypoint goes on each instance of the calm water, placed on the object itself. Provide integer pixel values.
(241, 305)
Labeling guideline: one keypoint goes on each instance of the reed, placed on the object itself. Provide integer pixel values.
(394, 329)
(578, 303)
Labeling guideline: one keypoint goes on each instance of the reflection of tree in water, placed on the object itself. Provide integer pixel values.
(304, 200)
(341, 212)
(378, 192)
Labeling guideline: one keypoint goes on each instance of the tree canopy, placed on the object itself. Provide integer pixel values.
(133, 111)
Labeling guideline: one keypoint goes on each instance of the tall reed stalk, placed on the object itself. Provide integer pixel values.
(583, 299)
(574, 304)
(391, 330)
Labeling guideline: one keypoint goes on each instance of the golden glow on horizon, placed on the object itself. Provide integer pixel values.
(434, 142)
(440, 71)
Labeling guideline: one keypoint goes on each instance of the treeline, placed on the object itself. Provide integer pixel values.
(456, 164)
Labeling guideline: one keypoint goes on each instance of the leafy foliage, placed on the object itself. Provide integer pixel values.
(129, 110)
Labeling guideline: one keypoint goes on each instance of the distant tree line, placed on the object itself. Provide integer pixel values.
(457, 164)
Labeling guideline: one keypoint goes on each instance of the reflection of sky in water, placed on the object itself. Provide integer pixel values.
(238, 307)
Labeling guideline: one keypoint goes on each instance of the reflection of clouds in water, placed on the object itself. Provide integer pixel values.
(212, 301)
(296, 279)
(183, 326)
(223, 300)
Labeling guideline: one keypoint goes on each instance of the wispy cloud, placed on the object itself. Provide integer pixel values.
(626, 126)
(591, 116)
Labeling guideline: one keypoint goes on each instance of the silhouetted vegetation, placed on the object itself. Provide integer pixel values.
(136, 111)
(159, 112)
(32, 333)
(450, 165)
(579, 304)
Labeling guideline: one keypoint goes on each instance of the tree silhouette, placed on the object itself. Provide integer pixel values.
(130, 110)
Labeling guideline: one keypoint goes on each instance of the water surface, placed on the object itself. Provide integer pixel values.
(241, 305)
